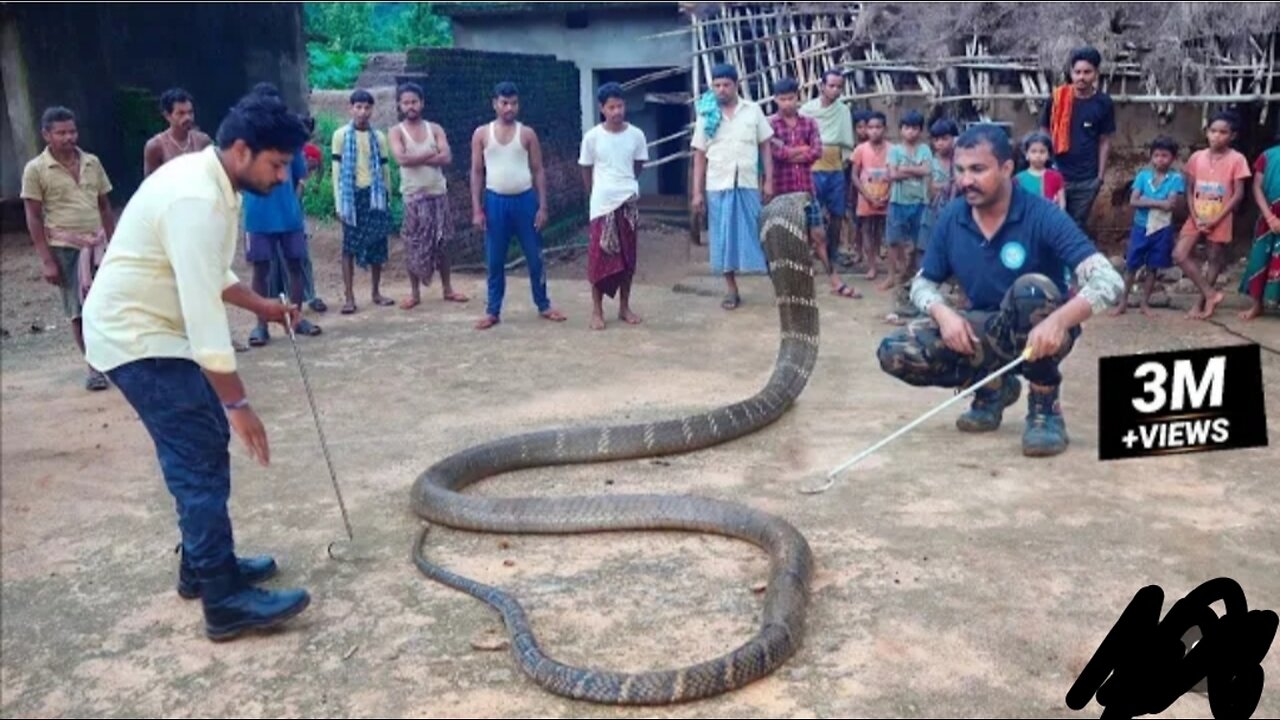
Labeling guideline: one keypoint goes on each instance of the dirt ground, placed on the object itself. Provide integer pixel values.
(954, 576)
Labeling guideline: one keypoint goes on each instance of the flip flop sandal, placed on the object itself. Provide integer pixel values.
(731, 302)
(306, 327)
(384, 301)
(348, 309)
(259, 337)
(319, 306)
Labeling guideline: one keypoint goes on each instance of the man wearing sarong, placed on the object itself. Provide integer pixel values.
(509, 197)
(730, 142)
(361, 195)
(612, 156)
(422, 149)
(69, 217)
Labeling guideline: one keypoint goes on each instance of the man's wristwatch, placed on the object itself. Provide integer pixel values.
(237, 405)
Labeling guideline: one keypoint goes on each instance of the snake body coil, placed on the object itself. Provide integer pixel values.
(436, 497)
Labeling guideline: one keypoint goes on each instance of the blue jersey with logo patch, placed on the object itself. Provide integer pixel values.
(1036, 237)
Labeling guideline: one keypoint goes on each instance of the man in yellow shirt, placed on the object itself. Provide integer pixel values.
(156, 324)
(69, 217)
(362, 197)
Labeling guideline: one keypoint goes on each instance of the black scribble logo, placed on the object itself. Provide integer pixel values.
(1142, 666)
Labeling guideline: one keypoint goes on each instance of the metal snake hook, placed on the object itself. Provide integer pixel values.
(324, 446)
(831, 476)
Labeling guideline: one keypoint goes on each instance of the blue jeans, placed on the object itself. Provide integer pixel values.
(507, 215)
(186, 422)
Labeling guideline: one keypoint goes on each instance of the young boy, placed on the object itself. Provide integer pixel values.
(855, 242)
(910, 168)
(362, 197)
(612, 157)
(796, 144)
(870, 178)
(1156, 192)
(942, 184)
(1215, 179)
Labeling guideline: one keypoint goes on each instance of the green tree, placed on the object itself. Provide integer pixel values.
(420, 27)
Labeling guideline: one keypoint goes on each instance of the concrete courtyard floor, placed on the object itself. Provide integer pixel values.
(954, 576)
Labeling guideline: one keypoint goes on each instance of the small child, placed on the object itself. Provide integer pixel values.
(942, 185)
(870, 177)
(855, 243)
(1215, 180)
(910, 168)
(1039, 178)
(1156, 192)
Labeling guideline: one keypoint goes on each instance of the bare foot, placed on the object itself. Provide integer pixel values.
(553, 315)
(410, 303)
(886, 286)
(1120, 309)
(1145, 309)
(597, 321)
(1252, 312)
(486, 322)
(872, 274)
(629, 317)
(451, 296)
(1209, 306)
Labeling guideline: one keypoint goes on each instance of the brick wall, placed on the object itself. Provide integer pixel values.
(459, 85)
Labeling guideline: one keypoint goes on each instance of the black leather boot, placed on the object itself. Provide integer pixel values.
(232, 606)
(252, 569)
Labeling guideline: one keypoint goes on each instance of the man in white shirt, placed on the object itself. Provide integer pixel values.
(730, 142)
(612, 156)
(156, 324)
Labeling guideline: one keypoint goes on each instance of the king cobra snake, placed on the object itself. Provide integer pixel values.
(437, 498)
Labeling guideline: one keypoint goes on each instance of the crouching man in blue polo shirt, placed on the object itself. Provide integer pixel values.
(1009, 250)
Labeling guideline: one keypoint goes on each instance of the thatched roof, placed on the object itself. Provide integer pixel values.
(1162, 54)
(1188, 50)
(1169, 38)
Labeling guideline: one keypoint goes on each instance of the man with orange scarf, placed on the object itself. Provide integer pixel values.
(1081, 120)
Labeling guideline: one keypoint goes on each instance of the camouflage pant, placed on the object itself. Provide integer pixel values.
(917, 355)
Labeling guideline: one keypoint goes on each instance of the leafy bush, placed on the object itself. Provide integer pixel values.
(332, 69)
(340, 36)
(376, 27)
